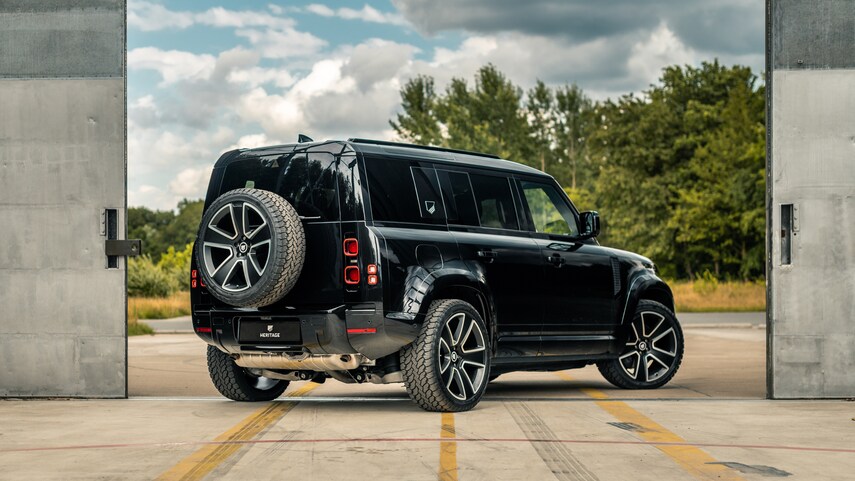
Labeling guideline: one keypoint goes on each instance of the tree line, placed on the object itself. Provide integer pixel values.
(677, 171)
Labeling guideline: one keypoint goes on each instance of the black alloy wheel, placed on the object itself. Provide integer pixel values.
(652, 352)
(447, 367)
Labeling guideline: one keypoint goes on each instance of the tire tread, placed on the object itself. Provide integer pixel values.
(417, 363)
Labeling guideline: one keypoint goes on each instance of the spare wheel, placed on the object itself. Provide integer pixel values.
(250, 248)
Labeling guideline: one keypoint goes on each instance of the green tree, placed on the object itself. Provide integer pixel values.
(418, 123)
(160, 230)
(487, 117)
(541, 115)
(573, 111)
(679, 171)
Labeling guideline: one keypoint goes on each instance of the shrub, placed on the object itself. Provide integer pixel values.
(176, 264)
(145, 279)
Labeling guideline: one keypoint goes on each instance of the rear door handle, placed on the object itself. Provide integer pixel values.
(556, 260)
(488, 255)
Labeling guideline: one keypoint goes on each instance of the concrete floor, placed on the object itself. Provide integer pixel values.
(710, 422)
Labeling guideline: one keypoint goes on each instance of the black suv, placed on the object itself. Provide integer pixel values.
(369, 261)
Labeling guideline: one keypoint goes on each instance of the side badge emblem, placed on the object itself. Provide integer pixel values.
(430, 206)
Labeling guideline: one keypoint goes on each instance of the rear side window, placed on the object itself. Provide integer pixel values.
(459, 199)
(393, 193)
(307, 181)
(427, 191)
(495, 202)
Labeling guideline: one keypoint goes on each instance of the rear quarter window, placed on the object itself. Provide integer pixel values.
(401, 192)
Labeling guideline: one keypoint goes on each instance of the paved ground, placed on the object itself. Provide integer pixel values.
(711, 422)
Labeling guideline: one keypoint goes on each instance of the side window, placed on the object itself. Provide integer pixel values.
(549, 212)
(459, 200)
(494, 201)
(400, 193)
(427, 191)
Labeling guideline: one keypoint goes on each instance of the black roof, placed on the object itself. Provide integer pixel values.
(398, 149)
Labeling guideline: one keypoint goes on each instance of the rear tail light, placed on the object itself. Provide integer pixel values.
(351, 247)
(373, 280)
(351, 275)
(193, 283)
(371, 269)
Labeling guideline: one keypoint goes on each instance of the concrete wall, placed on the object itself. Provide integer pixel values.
(62, 161)
(811, 165)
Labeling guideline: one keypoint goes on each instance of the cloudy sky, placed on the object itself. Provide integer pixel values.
(206, 76)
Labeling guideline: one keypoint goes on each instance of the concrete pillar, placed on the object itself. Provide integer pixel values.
(62, 162)
(811, 198)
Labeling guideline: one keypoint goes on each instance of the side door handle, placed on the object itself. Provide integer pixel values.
(555, 259)
(488, 255)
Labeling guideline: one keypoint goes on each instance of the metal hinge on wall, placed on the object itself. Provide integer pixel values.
(113, 247)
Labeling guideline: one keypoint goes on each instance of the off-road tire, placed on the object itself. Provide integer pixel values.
(420, 361)
(287, 248)
(235, 383)
(615, 373)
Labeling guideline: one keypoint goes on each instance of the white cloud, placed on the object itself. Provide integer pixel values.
(353, 93)
(256, 76)
(191, 182)
(152, 197)
(366, 14)
(377, 60)
(222, 17)
(283, 43)
(148, 17)
(321, 10)
(252, 141)
(172, 65)
(661, 49)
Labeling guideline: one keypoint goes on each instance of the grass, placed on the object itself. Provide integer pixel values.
(137, 328)
(715, 296)
(176, 305)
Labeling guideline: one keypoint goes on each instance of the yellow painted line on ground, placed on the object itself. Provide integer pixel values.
(206, 459)
(692, 459)
(447, 449)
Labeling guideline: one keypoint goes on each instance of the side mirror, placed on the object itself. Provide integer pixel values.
(590, 224)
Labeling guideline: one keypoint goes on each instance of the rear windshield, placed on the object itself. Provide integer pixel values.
(307, 181)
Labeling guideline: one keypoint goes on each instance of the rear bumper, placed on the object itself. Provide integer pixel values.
(360, 329)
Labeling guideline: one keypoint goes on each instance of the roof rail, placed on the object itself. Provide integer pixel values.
(416, 146)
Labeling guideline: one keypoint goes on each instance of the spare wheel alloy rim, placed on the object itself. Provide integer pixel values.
(236, 246)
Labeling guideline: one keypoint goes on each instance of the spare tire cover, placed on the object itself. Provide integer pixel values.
(250, 248)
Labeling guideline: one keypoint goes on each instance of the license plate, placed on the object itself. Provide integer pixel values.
(274, 331)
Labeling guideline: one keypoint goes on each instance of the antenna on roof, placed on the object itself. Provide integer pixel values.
(301, 139)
